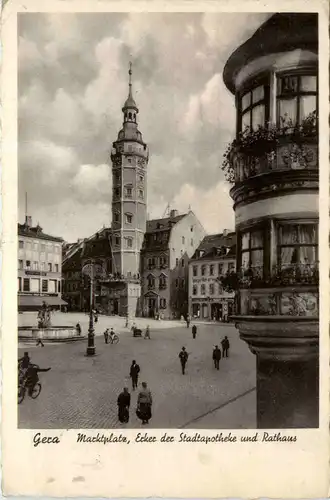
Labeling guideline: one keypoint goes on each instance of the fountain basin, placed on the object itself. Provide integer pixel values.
(50, 334)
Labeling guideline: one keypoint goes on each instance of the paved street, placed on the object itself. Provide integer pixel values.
(81, 392)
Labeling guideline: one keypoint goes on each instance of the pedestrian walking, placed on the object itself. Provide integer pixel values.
(78, 328)
(106, 335)
(225, 347)
(123, 403)
(96, 317)
(183, 355)
(134, 374)
(188, 320)
(147, 333)
(39, 340)
(216, 357)
(194, 331)
(144, 404)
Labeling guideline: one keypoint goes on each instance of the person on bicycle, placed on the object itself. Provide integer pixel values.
(112, 335)
(32, 377)
(24, 361)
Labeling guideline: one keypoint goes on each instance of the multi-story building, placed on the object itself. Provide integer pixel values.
(168, 245)
(274, 168)
(72, 278)
(213, 259)
(39, 267)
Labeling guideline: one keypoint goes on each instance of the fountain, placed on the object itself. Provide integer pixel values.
(46, 332)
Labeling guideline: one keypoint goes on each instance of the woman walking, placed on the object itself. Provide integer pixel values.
(144, 404)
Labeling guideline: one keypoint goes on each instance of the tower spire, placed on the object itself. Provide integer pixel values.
(130, 78)
(130, 103)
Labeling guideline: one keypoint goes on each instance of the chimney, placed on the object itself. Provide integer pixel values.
(174, 213)
(28, 221)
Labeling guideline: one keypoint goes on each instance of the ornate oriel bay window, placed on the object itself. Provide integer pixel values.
(272, 165)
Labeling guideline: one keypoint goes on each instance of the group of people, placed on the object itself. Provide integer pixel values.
(28, 372)
(216, 356)
(144, 399)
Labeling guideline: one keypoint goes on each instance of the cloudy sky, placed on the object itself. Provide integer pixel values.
(72, 85)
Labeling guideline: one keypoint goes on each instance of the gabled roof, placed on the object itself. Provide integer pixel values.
(216, 245)
(163, 224)
(36, 232)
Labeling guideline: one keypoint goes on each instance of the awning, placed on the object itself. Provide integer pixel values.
(37, 301)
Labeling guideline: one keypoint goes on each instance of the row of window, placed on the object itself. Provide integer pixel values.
(211, 289)
(296, 99)
(128, 217)
(151, 281)
(296, 246)
(38, 266)
(117, 174)
(36, 246)
(128, 241)
(154, 262)
(128, 192)
(35, 285)
(210, 270)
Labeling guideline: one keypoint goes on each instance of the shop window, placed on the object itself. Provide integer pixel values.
(26, 285)
(59, 286)
(194, 290)
(297, 245)
(252, 252)
(296, 98)
(202, 289)
(44, 285)
(195, 270)
(253, 108)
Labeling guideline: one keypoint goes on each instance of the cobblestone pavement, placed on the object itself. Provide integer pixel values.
(81, 392)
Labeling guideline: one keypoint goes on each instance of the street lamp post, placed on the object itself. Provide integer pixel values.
(90, 346)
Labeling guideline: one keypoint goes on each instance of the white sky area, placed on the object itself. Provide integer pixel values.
(73, 82)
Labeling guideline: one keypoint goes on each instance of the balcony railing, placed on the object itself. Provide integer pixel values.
(256, 277)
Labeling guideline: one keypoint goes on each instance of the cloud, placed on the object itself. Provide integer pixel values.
(72, 85)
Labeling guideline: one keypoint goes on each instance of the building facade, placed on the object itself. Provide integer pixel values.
(169, 243)
(273, 166)
(39, 267)
(213, 259)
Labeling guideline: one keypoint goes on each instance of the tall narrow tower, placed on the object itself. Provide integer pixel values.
(129, 158)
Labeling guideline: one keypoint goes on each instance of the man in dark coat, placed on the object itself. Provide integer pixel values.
(134, 374)
(216, 357)
(225, 347)
(106, 335)
(124, 402)
(32, 377)
(194, 331)
(183, 355)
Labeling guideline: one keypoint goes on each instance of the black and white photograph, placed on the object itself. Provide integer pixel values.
(168, 180)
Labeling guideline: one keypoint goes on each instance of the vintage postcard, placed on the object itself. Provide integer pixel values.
(165, 249)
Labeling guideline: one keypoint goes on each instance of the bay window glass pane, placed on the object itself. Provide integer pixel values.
(246, 101)
(288, 85)
(289, 234)
(288, 110)
(307, 255)
(246, 120)
(258, 116)
(307, 234)
(258, 94)
(245, 241)
(288, 256)
(256, 239)
(245, 260)
(307, 105)
(308, 84)
(257, 258)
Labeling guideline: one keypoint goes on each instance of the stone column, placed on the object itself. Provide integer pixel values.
(287, 363)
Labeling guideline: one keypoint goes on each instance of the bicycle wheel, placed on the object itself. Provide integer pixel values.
(36, 391)
(115, 339)
(21, 394)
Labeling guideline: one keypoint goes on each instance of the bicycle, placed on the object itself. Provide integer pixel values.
(22, 388)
